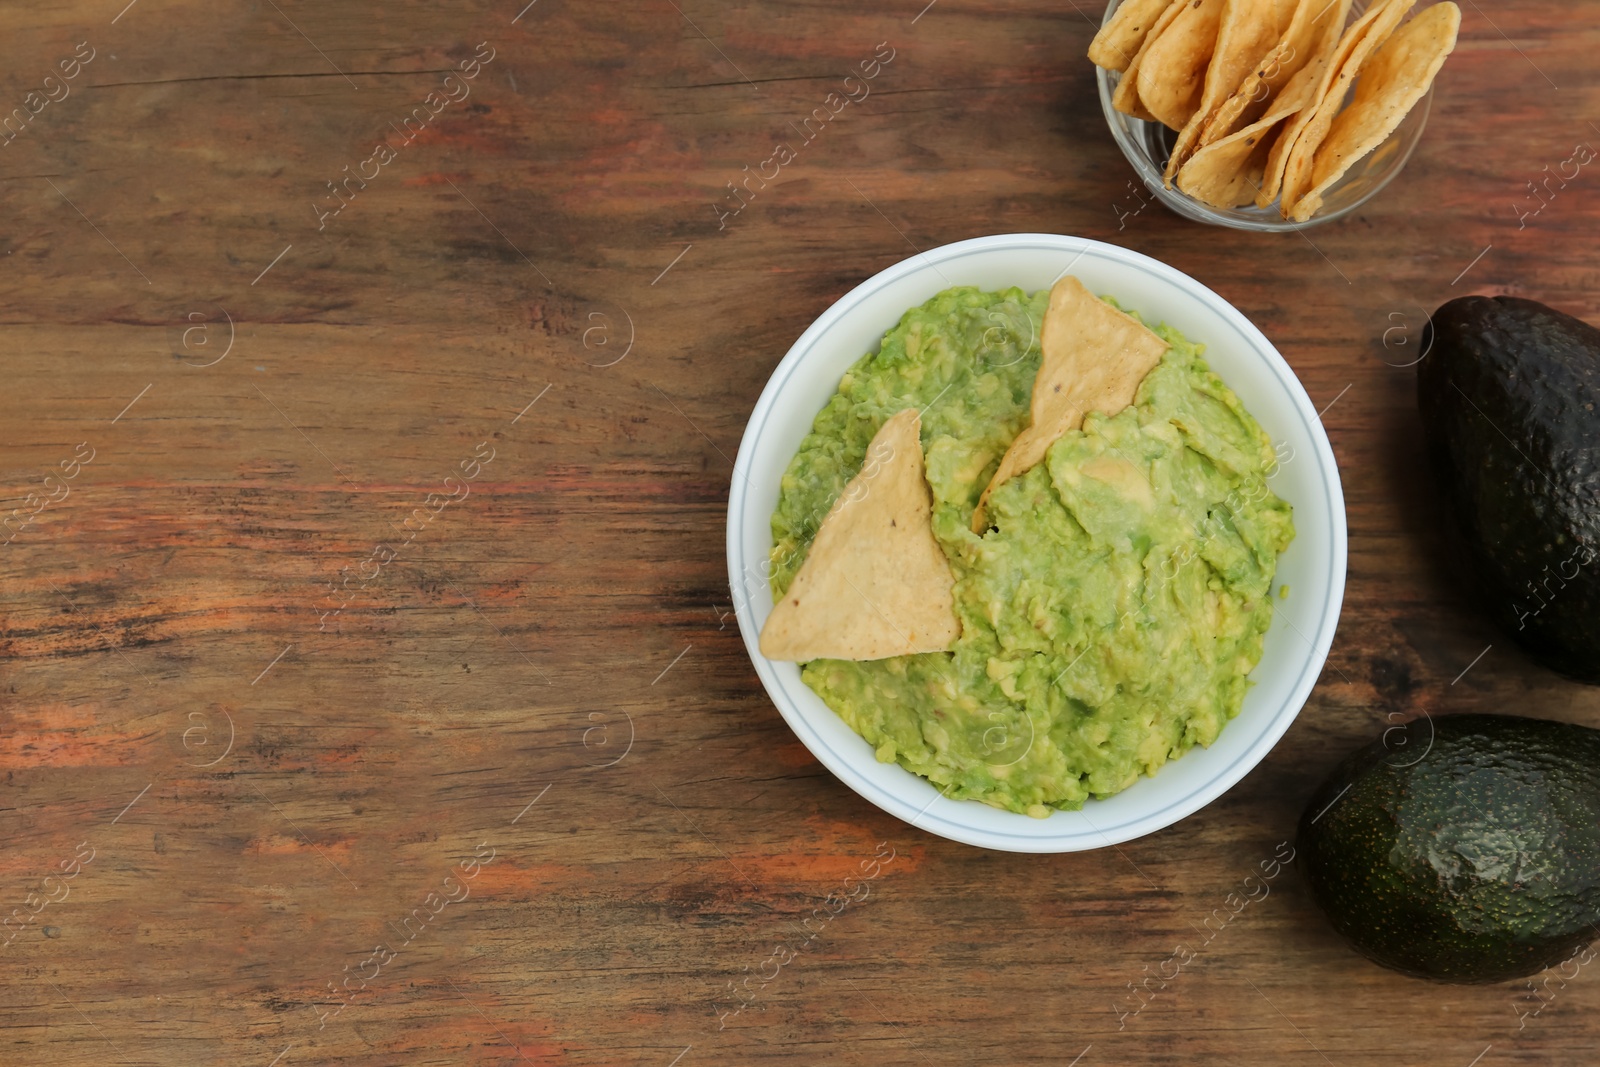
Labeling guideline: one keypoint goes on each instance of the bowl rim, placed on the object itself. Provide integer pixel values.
(842, 766)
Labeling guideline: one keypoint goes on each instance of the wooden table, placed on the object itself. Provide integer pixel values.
(506, 788)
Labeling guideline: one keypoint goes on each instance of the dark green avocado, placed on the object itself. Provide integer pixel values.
(1464, 848)
(1508, 392)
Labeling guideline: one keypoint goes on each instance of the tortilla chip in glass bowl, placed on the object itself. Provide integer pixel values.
(1224, 108)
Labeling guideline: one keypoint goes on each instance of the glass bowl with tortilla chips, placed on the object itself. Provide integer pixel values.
(897, 576)
(1269, 115)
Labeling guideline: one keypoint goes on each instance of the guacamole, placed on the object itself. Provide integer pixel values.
(1113, 611)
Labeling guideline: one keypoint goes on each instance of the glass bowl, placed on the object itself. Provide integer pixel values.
(1148, 145)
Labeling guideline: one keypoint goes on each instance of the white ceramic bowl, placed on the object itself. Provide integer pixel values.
(1313, 567)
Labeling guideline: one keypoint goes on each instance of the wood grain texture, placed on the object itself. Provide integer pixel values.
(562, 636)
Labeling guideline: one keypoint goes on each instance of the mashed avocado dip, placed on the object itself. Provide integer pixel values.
(1109, 616)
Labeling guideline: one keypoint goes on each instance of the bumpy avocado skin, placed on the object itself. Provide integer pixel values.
(1464, 849)
(1508, 393)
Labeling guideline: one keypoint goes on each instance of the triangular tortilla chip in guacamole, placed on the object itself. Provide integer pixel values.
(1092, 358)
(875, 583)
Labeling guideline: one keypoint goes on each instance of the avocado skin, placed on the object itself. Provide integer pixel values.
(1478, 861)
(1508, 392)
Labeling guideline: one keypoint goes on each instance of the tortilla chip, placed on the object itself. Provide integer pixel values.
(1248, 30)
(1332, 50)
(1352, 56)
(1228, 174)
(1231, 172)
(1120, 39)
(875, 583)
(1126, 97)
(1092, 358)
(1284, 14)
(1392, 82)
(1296, 48)
(1171, 76)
